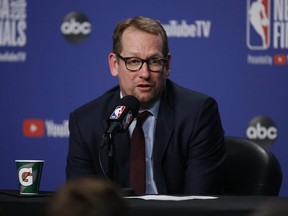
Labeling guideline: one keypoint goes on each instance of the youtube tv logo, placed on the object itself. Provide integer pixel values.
(280, 59)
(45, 128)
(33, 128)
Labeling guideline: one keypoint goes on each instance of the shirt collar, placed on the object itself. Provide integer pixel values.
(155, 108)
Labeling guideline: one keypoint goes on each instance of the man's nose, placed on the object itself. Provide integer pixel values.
(144, 71)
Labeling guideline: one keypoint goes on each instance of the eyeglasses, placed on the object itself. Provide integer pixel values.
(134, 64)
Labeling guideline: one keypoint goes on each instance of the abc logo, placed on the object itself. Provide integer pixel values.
(262, 130)
(76, 27)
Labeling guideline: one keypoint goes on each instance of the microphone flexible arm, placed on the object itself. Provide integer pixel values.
(107, 139)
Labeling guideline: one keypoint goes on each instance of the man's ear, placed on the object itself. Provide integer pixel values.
(112, 60)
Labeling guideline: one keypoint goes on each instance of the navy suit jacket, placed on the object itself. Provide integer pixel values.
(188, 152)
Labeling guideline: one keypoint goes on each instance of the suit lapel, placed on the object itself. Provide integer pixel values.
(164, 129)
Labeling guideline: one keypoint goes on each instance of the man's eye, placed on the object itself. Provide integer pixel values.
(134, 61)
(156, 61)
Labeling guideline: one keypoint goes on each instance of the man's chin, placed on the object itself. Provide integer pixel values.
(144, 98)
(146, 102)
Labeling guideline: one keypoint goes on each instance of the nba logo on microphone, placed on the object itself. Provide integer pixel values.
(117, 112)
(258, 24)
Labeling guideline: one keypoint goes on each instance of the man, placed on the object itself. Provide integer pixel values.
(184, 137)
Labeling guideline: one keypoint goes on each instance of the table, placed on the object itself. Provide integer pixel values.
(13, 205)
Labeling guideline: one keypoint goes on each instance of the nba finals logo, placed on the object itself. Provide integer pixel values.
(258, 24)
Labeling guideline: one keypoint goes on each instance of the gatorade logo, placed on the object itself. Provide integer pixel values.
(25, 176)
(262, 130)
(33, 128)
(76, 27)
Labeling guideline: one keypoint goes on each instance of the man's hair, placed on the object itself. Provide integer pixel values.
(145, 24)
(88, 197)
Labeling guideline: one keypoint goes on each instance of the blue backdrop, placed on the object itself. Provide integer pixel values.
(53, 58)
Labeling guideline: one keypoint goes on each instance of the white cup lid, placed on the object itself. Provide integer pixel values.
(29, 160)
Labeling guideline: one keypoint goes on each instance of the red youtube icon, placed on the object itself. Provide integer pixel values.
(280, 59)
(33, 128)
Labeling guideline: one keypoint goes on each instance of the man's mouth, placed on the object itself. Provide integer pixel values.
(144, 87)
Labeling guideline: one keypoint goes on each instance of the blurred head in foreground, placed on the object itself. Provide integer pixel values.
(273, 208)
(87, 197)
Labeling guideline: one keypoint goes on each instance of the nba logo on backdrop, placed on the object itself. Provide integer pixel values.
(258, 24)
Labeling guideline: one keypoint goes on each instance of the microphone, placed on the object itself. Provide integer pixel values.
(120, 119)
(123, 115)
